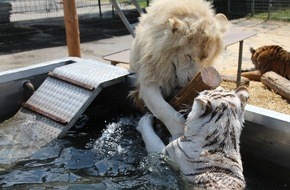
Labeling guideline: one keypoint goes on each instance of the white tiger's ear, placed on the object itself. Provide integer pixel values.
(175, 25)
(219, 89)
(243, 93)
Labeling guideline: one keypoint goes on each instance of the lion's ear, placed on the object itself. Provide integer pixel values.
(175, 25)
(223, 22)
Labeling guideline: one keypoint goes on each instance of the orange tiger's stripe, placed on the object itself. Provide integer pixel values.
(271, 58)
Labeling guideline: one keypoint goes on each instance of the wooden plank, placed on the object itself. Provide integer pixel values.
(72, 81)
(45, 113)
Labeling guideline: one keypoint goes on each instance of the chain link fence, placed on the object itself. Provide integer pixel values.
(271, 9)
(262, 9)
(31, 24)
(34, 24)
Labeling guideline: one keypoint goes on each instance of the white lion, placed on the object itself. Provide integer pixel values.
(174, 40)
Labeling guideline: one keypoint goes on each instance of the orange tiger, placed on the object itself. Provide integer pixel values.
(271, 58)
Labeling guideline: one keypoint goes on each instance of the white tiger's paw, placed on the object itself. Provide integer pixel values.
(145, 122)
(152, 142)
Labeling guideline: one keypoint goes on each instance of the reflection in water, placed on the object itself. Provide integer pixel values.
(20, 137)
(114, 159)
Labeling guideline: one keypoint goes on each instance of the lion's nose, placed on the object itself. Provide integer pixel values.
(203, 56)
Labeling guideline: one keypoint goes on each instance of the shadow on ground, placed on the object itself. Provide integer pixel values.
(22, 36)
(50, 32)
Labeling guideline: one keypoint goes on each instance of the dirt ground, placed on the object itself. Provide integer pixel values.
(268, 33)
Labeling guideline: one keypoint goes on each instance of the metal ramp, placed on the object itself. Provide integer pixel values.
(67, 92)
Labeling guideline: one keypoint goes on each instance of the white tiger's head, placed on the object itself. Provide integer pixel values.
(216, 118)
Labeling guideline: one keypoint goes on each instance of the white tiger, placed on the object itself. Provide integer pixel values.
(208, 154)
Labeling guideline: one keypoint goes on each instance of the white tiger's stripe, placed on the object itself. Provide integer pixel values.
(214, 145)
(208, 154)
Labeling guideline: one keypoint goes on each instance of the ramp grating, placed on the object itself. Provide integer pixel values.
(68, 91)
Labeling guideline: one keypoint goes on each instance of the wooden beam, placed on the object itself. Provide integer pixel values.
(207, 79)
(253, 75)
(277, 83)
(230, 78)
(72, 28)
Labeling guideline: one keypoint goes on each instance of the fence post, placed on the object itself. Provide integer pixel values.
(269, 9)
(229, 6)
(72, 28)
(252, 7)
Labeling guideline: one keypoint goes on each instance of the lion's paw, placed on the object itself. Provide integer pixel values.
(145, 122)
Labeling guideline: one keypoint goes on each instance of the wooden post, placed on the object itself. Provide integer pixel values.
(72, 28)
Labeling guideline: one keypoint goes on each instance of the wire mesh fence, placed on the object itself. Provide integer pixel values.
(263, 9)
(271, 9)
(39, 23)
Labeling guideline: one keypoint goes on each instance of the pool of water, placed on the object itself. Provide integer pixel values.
(109, 154)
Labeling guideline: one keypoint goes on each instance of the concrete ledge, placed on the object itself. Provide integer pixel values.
(267, 135)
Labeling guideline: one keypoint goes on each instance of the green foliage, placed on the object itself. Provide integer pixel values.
(283, 15)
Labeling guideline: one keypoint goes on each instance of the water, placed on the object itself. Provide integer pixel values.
(88, 159)
(109, 154)
(19, 138)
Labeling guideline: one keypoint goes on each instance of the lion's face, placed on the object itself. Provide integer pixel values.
(197, 45)
(200, 40)
(169, 51)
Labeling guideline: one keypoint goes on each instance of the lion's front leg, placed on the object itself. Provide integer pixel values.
(173, 120)
(152, 142)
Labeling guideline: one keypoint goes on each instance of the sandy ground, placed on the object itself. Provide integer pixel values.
(268, 33)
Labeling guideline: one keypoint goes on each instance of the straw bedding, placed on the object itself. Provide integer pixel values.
(262, 97)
